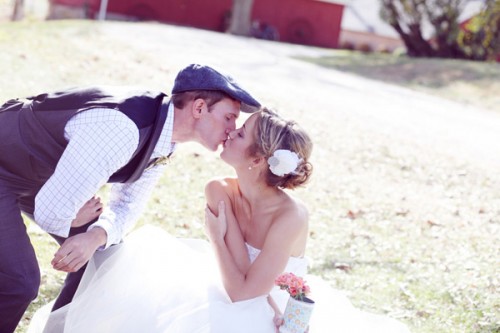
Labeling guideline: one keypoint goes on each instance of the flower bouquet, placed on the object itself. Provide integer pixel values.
(299, 307)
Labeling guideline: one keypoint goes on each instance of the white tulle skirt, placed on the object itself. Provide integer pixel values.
(156, 283)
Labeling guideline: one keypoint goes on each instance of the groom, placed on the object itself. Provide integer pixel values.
(58, 149)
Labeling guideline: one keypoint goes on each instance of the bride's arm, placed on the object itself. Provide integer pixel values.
(288, 227)
(278, 316)
(220, 190)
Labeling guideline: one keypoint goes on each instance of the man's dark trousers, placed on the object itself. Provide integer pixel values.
(19, 271)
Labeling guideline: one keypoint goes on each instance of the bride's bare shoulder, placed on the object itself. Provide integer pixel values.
(295, 208)
(217, 185)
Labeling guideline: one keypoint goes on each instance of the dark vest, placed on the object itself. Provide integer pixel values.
(32, 132)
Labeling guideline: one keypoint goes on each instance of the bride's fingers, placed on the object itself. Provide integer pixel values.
(98, 202)
(222, 210)
(208, 214)
(98, 207)
(93, 202)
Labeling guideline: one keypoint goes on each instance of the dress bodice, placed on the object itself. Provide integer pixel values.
(296, 265)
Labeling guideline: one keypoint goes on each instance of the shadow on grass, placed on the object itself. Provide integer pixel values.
(469, 82)
(348, 265)
(435, 73)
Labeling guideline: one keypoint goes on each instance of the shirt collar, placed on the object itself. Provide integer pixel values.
(165, 146)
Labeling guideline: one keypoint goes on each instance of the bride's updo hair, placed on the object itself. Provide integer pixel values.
(275, 133)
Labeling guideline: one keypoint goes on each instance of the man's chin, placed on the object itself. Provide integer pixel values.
(212, 148)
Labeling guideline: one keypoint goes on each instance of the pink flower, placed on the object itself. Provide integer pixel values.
(293, 284)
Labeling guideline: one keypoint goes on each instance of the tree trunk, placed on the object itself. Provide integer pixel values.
(445, 20)
(18, 12)
(416, 45)
(241, 17)
(449, 40)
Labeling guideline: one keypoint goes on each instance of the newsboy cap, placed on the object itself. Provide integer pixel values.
(199, 77)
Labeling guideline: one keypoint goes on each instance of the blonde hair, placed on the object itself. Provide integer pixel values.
(273, 133)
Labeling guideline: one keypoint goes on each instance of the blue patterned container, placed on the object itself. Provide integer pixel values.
(297, 315)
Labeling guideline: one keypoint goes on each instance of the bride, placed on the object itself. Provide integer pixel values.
(155, 283)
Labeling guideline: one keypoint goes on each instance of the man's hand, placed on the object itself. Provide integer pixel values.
(88, 213)
(77, 250)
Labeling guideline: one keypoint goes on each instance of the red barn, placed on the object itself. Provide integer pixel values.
(309, 22)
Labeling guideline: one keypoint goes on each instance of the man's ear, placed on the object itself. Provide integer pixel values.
(198, 107)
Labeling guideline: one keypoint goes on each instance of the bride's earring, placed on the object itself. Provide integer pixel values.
(250, 168)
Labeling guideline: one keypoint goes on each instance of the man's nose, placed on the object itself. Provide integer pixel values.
(231, 128)
(231, 133)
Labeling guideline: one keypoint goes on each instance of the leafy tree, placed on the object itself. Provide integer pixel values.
(447, 39)
(480, 36)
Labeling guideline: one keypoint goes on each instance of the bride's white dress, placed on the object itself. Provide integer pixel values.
(157, 283)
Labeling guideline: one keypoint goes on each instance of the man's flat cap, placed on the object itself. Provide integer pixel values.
(199, 77)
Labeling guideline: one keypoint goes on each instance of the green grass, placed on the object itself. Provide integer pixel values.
(405, 231)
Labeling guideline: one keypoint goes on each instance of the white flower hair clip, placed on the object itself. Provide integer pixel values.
(283, 162)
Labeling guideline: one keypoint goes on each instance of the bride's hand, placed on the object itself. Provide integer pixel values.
(216, 226)
(88, 213)
(278, 321)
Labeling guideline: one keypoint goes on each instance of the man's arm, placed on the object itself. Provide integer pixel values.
(127, 201)
(99, 143)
